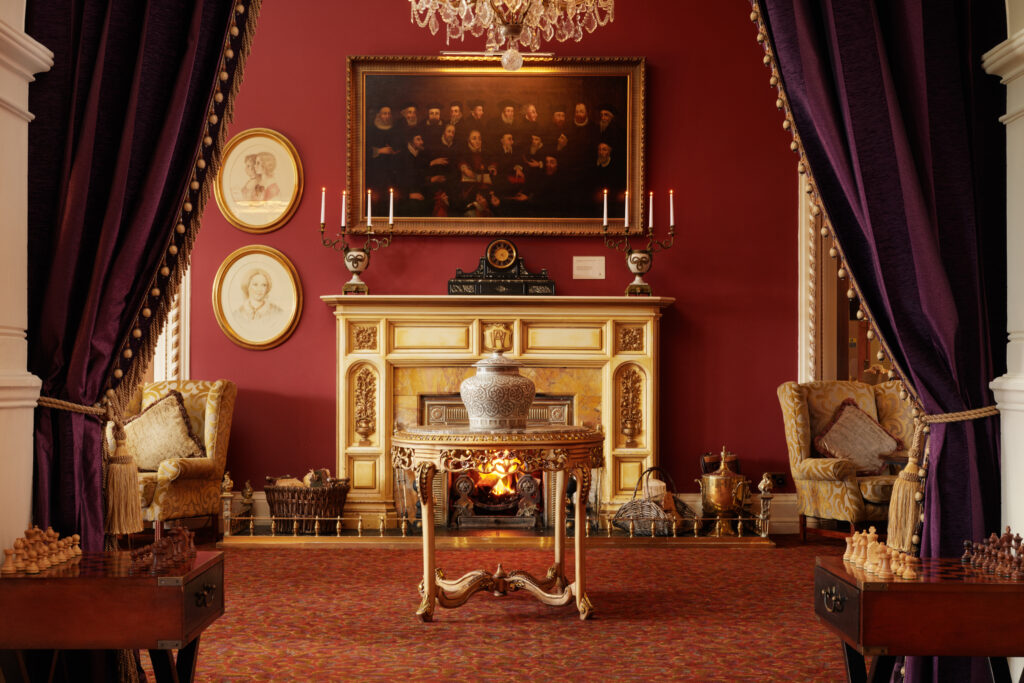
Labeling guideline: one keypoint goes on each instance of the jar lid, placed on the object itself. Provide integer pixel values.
(496, 361)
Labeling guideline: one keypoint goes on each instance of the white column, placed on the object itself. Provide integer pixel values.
(20, 58)
(1006, 60)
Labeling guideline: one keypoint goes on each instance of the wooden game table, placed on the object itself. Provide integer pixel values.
(560, 450)
(108, 601)
(951, 609)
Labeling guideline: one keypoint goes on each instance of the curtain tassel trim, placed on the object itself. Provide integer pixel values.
(121, 480)
(129, 365)
(907, 501)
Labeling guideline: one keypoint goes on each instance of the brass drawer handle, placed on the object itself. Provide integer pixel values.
(833, 599)
(204, 598)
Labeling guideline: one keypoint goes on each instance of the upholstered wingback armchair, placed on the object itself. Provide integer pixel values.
(829, 488)
(187, 487)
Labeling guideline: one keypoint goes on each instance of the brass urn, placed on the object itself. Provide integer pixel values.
(722, 493)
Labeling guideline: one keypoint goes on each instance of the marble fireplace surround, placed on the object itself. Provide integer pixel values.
(391, 350)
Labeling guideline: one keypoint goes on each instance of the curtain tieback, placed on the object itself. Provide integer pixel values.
(124, 511)
(962, 416)
(921, 423)
(908, 489)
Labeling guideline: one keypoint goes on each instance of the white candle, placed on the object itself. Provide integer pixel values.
(625, 223)
(391, 206)
(344, 198)
(604, 221)
(369, 212)
(671, 207)
(323, 199)
(650, 210)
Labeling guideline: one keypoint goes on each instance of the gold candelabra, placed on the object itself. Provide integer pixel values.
(357, 259)
(639, 261)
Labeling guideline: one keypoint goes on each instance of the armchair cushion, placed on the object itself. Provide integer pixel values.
(162, 431)
(856, 436)
(877, 489)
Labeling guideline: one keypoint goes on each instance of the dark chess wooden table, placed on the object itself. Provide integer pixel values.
(108, 601)
(952, 609)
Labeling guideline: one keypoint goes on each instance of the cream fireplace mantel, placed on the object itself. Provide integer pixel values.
(393, 350)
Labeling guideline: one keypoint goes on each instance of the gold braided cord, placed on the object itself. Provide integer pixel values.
(108, 410)
(123, 379)
(47, 402)
(962, 416)
(921, 423)
(817, 205)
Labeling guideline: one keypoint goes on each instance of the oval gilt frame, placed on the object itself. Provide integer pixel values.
(257, 297)
(259, 182)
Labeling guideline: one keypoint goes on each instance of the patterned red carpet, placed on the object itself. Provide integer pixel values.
(680, 614)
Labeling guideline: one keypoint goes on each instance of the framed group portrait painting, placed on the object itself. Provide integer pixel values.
(257, 297)
(259, 183)
(458, 145)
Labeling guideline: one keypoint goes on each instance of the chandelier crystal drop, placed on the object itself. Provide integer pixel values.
(511, 25)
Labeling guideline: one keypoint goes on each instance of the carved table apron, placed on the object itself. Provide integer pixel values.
(557, 449)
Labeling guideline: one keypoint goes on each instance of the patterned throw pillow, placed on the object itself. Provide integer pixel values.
(162, 431)
(854, 435)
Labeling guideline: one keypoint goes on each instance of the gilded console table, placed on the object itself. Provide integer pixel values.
(559, 450)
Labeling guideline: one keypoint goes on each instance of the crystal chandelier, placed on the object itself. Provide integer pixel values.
(510, 24)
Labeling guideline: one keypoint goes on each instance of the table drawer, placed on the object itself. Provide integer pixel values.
(204, 599)
(837, 603)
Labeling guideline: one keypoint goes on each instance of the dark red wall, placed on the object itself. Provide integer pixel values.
(714, 136)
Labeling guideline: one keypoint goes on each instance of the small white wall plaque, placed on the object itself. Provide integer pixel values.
(588, 267)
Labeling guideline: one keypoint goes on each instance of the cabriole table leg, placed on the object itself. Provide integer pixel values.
(580, 537)
(425, 474)
(558, 569)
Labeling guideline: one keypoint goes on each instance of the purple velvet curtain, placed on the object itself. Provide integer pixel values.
(900, 127)
(119, 123)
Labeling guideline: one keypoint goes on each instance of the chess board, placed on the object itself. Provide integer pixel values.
(110, 565)
(940, 571)
(44, 554)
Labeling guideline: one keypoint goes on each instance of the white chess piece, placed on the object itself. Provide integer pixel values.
(884, 570)
(8, 566)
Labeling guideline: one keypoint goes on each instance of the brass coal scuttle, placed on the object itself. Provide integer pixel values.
(722, 494)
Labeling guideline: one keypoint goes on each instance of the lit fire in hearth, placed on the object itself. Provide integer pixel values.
(498, 473)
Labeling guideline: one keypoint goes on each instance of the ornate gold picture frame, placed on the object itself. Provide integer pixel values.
(257, 297)
(259, 183)
(530, 152)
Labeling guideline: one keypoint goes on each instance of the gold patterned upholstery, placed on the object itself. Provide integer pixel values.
(188, 487)
(828, 488)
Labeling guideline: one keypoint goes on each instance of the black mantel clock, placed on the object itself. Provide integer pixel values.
(501, 271)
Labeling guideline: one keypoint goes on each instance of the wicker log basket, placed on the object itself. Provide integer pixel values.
(305, 503)
(643, 511)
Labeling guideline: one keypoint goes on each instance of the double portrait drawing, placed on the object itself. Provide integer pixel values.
(259, 183)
